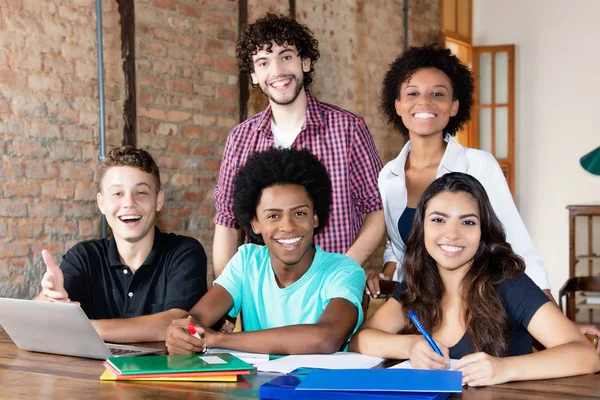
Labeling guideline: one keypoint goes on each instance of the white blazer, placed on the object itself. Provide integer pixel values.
(479, 164)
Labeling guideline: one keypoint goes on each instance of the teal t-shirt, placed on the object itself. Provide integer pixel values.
(250, 280)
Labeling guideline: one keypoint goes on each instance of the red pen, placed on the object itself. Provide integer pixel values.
(192, 330)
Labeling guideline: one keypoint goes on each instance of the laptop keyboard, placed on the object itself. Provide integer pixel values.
(120, 352)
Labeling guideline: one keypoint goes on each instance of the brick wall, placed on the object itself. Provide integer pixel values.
(187, 102)
(48, 130)
(187, 97)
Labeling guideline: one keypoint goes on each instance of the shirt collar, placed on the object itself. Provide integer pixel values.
(453, 160)
(314, 115)
(115, 260)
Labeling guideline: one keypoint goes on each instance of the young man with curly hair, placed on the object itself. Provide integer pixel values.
(279, 54)
(134, 284)
(295, 297)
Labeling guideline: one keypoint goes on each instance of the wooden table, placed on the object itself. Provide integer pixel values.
(28, 375)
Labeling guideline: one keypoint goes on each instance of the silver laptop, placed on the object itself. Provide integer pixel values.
(58, 328)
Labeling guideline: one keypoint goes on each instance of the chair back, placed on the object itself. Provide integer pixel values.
(386, 288)
(572, 285)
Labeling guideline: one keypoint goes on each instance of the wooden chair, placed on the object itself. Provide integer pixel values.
(386, 288)
(567, 291)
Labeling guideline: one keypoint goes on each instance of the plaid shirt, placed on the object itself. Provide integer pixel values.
(341, 140)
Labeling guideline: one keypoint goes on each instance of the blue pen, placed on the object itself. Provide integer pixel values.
(423, 331)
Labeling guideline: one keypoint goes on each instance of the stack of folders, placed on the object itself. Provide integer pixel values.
(191, 367)
(363, 384)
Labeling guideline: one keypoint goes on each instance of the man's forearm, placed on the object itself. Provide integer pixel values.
(369, 237)
(147, 328)
(225, 244)
(296, 339)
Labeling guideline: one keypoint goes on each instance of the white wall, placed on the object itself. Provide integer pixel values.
(557, 94)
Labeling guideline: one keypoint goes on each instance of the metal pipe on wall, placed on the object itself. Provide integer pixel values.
(405, 12)
(101, 112)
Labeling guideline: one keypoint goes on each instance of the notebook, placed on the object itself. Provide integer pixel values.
(384, 380)
(177, 363)
(109, 376)
(58, 328)
(284, 387)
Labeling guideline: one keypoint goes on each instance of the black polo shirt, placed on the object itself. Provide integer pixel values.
(173, 276)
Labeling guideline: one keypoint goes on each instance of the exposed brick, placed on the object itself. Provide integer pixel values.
(8, 250)
(179, 86)
(58, 190)
(178, 146)
(180, 211)
(12, 80)
(181, 180)
(44, 208)
(166, 129)
(227, 93)
(80, 209)
(213, 16)
(203, 59)
(201, 150)
(212, 165)
(227, 64)
(178, 116)
(28, 228)
(214, 46)
(192, 196)
(168, 4)
(41, 170)
(153, 113)
(60, 225)
(12, 208)
(86, 191)
(204, 210)
(153, 49)
(169, 225)
(189, 10)
(21, 190)
(191, 132)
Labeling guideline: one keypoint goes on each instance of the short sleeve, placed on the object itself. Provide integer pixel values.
(186, 282)
(365, 167)
(76, 280)
(522, 298)
(232, 280)
(224, 188)
(347, 282)
(400, 288)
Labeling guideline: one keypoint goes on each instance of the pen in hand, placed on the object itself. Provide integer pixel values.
(424, 332)
(192, 330)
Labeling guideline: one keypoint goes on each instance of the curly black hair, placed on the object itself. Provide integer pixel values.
(430, 56)
(281, 30)
(280, 167)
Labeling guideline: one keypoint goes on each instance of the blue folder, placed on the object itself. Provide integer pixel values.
(386, 380)
(284, 387)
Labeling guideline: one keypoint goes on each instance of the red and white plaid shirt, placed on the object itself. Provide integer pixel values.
(341, 140)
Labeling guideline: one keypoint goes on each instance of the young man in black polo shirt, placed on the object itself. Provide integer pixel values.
(134, 284)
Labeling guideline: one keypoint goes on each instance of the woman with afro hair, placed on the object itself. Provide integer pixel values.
(427, 96)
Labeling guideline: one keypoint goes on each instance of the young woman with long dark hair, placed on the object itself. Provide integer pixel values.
(468, 288)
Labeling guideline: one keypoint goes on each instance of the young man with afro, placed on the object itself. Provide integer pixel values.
(295, 297)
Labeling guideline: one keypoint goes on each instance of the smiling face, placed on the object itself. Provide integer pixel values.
(425, 104)
(452, 230)
(130, 200)
(286, 220)
(280, 73)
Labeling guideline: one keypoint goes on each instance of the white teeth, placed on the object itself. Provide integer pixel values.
(129, 217)
(280, 83)
(289, 241)
(424, 115)
(452, 249)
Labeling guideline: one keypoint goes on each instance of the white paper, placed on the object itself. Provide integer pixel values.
(212, 360)
(339, 360)
(250, 358)
(406, 364)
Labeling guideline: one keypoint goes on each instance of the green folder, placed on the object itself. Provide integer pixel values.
(178, 363)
